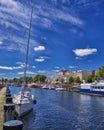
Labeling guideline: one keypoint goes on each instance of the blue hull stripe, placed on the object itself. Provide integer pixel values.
(88, 91)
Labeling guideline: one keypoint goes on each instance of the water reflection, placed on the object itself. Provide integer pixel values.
(56, 110)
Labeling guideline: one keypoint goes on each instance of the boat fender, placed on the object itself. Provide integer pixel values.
(34, 101)
(33, 97)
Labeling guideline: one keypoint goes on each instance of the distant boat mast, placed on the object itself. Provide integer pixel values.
(27, 50)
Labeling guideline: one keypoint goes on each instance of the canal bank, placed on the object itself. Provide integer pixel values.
(2, 102)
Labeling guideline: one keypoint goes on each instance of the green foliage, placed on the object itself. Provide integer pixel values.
(77, 79)
(71, 80)
(15, 80)
(39, 78)
(100, 73)
(62, 80)
(89, 79)
(29, 79)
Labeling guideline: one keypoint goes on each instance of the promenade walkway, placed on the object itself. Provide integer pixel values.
(2, 102)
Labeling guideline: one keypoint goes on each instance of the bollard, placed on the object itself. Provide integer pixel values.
(8, 95)
(8, 99)
(13, 125)
(9, 112)
(8, 90)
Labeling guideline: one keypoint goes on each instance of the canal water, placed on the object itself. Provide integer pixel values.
(63, 110)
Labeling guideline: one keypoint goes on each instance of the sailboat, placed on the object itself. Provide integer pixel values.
(24, 100)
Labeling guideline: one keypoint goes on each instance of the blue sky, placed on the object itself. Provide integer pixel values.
(66, 34)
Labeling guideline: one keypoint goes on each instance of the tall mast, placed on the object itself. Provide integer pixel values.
(27, 50)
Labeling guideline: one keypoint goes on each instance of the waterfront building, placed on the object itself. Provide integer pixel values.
(65, 74)
(84, 73)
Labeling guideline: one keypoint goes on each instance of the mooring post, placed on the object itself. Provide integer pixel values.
(13, 125)
(8, 99)
(9, 111)
(7, 90)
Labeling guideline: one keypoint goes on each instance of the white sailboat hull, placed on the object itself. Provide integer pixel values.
(60, 89)
(23, 109)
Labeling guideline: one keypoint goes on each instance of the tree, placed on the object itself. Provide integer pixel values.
(100, 73)
(15, 80)
(62, 80)
(77, 79)
(40, 78)
(71, 80)
(89, 79)
(20, 80)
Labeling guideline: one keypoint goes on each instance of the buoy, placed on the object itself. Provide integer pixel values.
(13, 125)
(34, 100)
(33, 97)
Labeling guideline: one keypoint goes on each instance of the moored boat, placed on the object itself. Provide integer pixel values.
(23, 103)
(60, 88)
(96, 88)
(24, 100)
(45, 86)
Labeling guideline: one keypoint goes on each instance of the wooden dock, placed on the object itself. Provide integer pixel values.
(2, 102)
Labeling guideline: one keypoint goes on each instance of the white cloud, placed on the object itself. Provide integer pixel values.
(39, 48)
(8, 3)
(11, 13)
(40, 59)
(72, 67)
(77, 58)
(56, 67)
(34, 67)
(15, 16)
(20, 63)
(50, 73)
(6, 68)
(10, 68)
(84, 52)
(28, 72)
(70, 18)
(19, 67)
(1, 42)
(56, 14)
(55, 71)
(20, 73)
(42, 71)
